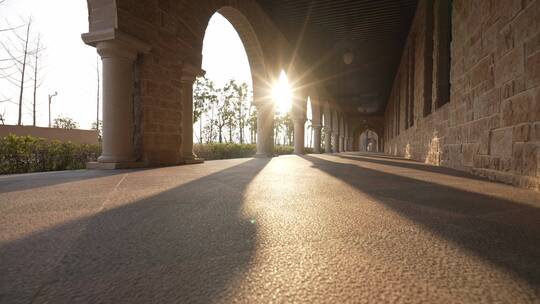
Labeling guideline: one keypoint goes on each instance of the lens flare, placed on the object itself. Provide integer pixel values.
(282, 94)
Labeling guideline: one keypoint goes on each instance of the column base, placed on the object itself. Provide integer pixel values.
(263, 155)
(115, 165)
(192, 161)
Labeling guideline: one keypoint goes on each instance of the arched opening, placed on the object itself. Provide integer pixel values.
(231, 104)
(368, 141)
(308, 131)
(223, 109)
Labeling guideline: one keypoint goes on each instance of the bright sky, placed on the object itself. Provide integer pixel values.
(69, 66)
(224, 56)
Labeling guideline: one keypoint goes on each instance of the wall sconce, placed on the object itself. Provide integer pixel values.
(348, 57)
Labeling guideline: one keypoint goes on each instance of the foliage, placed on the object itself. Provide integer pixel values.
(283, 149)
(224, 113)
(21, 154)
(65, 123)
(224, 151)
(98, 128)
(231, 150)
(204, 95)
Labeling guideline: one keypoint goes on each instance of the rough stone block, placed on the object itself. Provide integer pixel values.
(532, 45)
(535, 132)
(521, 132)
(532, 70)
(509, 66)
(482, 71)
(500, 143)
(484, 143)
(517, 158)
(517, 109)
(469, 151)
(530, 159)
(535, 113)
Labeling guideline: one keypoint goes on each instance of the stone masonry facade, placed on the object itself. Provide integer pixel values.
(490, 122)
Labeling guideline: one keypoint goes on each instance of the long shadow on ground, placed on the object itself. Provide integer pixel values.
(25, 181)
(187, 244)
(408, 164)
(501, 232)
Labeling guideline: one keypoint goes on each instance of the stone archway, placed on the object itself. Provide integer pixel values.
(259, 75)
(151, 54)
(368, 141)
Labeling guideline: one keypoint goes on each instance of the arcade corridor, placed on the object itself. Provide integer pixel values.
(348, 227)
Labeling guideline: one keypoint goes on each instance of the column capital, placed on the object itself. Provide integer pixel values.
(263, 104)
(299, 120)
(190, 72)
(115, 43)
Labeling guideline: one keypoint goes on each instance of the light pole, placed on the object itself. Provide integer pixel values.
(50, 100)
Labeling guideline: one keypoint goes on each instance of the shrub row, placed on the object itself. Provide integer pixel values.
(226, 151)
(21, 154)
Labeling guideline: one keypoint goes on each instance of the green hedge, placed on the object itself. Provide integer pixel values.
(227, 151)
(21, 154)
(224, 151)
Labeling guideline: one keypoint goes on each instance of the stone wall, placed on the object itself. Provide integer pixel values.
(63, 135)
(491, 124)
(174, 30)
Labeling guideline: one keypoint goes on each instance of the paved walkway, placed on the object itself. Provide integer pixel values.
(318, 228)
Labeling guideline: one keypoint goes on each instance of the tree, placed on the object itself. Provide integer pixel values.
(3, 117)
(19, 52)
(205, 96)
(99, 127)
(224, 115)
(37, 52)
(65, 123)
(241, 107)
(228, 108)
(252, 122)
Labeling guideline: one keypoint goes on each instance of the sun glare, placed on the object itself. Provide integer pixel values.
(282, 94)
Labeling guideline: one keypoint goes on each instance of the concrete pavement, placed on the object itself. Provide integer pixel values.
(317, 228)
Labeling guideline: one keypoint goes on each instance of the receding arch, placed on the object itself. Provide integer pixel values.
(368, 141)
(259, 75)
(254, 51)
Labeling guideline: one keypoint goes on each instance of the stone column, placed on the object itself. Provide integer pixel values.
(299, 125)
(317, 139)
(118, 52)
(189, 73)
(341, 140)
(335, 142)
(328, 143)
(117, 144)
(265, 129)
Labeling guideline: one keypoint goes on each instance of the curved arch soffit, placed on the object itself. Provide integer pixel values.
(361, 130)
(253, 49)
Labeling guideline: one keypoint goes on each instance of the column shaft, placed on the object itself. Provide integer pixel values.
(187, 119)
(265, 130)
(328, 141)
(117, 144)
(299, 125)
(317, 139)
(335, 142)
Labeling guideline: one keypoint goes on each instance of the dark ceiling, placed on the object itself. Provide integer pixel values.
(324, 30)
